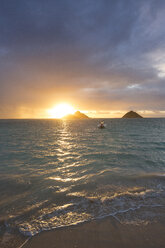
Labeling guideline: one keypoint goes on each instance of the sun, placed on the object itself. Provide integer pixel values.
(61, 110)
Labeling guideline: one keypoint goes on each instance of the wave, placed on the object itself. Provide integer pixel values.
(120, 205)
(75, 173)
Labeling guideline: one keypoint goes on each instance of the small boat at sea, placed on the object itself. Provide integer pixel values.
(101, 125)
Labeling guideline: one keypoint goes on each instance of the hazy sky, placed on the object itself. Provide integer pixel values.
(102, 56)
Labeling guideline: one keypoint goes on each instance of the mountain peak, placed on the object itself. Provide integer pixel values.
(76, 115)
(132, 114)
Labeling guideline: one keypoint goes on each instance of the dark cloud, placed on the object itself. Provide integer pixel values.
(97, 53)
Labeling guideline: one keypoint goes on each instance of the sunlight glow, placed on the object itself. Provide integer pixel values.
(61, 110)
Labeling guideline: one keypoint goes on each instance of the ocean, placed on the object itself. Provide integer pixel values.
(56, 173)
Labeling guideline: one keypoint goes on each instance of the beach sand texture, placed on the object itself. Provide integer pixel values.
(102, 234)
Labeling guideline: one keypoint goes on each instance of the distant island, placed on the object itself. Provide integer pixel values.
(76, 115)
(132, 114)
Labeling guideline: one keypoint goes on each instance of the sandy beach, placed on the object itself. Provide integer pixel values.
(101, 234)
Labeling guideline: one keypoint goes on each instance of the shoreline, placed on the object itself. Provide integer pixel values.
(103, 233)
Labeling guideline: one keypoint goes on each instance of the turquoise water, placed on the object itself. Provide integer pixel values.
(57, 173)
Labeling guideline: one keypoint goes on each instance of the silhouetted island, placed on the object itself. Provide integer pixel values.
(132, 114)
(76, 115)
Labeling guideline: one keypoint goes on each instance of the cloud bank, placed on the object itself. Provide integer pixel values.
(96, 54)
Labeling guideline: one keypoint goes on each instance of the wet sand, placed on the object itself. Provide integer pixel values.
(12, 240)
(104, 233)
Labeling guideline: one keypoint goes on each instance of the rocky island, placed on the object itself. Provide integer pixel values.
(75, 116)
(132, 114)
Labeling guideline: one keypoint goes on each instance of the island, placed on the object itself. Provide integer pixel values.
(75, 116)
(132, 114)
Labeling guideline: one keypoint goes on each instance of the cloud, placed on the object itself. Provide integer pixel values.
(97, 54)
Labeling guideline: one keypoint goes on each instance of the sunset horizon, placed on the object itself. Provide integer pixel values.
(102, 58)
(97, 114)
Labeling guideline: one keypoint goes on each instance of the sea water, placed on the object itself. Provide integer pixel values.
(56, 173)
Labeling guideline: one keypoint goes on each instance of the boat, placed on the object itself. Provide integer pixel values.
(101, 125)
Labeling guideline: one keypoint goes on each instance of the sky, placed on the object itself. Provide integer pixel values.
(104, 57)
